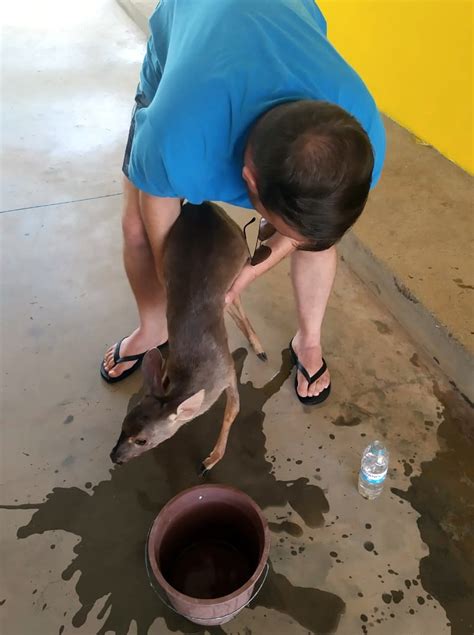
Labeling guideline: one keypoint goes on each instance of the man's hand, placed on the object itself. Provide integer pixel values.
(245, 277)
(280, 245)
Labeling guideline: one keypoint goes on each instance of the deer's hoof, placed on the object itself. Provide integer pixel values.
(263, 356)
(203, 471)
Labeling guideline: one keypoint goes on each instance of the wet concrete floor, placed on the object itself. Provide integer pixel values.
(74, 526)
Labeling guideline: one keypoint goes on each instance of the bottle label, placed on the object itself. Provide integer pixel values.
(373, 480)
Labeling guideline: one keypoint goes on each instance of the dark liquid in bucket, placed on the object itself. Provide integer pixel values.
(210, 568)
(210, 550)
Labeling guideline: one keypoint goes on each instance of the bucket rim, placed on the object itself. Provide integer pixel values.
(169, 589)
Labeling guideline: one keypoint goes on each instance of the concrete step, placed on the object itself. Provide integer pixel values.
(413, 245)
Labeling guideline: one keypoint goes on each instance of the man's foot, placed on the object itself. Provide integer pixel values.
(134, 344)
(311, 357)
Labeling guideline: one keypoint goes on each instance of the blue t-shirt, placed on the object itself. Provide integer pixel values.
(212, 68)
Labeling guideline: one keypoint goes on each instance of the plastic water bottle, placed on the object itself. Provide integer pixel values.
(373, 470)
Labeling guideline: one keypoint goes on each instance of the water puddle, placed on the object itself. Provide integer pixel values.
(112, 518)
(443, 495)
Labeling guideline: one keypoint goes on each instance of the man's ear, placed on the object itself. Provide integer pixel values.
(249, 178)
(153, 369)
(189, 408)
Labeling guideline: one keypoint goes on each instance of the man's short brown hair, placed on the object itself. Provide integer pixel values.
(314, 164)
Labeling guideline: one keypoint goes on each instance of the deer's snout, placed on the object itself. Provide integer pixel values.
(115, 459)
(114, 455)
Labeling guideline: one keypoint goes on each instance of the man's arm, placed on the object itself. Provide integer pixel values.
(280, 245)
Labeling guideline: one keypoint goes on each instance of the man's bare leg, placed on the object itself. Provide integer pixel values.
(313, 276)
(158, 214)
(142, 274)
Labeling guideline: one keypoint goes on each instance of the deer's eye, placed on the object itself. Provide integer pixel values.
(140, 441)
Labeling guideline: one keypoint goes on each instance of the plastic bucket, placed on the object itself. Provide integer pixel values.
(207, 550)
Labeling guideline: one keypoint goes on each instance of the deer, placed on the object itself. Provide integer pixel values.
(203, 254)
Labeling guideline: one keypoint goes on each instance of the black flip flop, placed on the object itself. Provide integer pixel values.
(323, 395)
(119, 360)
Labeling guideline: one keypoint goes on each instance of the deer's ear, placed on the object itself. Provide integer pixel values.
(153, 369)
(189, 408)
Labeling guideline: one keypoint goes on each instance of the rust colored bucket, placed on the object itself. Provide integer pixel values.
(207, 550)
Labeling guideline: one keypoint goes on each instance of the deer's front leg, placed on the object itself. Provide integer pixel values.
(231, 411)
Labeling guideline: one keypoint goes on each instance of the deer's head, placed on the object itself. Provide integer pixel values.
(157, 416)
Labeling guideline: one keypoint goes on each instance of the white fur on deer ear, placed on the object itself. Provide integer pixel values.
(190, 407)
(153, 368)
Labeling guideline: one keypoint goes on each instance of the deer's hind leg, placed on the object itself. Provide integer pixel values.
(236, 311)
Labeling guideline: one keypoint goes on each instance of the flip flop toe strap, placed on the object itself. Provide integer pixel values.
(127, 358)
(311, 378)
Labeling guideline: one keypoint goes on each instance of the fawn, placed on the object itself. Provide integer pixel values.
(204, 252)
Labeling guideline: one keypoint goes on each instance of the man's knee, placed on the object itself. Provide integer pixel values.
(133, 229)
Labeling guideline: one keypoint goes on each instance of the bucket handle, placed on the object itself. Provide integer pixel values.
(211, 619)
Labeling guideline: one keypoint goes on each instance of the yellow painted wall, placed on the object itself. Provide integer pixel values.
(416, 57)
